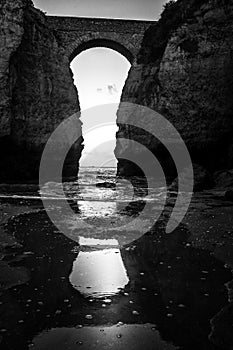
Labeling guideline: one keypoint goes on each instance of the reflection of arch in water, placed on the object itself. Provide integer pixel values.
(100, 271)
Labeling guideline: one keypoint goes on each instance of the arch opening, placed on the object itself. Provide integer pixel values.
(99, 75)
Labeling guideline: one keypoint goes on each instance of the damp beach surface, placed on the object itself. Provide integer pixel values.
(109, 288)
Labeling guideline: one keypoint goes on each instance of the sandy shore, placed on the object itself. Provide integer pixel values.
(209, 222)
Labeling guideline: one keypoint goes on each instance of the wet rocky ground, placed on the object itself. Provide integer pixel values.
(161, 291)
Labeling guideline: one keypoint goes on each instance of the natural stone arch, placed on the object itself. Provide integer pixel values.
(107, 43)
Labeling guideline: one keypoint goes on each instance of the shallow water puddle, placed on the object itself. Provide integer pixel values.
(136, 337)
(98, 272)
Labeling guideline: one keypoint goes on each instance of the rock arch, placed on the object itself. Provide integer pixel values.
(79, 33)
(82, 45)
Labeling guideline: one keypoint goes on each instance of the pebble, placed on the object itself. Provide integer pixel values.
(79, 342)
(181, 305)
(107, 301)
(135, 312)
(89, 317)
(169, 315)
(119, 335)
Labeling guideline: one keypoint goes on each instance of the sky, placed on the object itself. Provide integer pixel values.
(131, 9)
(100, 73)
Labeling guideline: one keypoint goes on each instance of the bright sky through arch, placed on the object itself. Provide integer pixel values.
(100, 74)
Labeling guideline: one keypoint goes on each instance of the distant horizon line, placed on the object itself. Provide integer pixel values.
(93, 166)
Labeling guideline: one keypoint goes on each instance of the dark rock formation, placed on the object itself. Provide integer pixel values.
(224, 179)
(11, 29)
(37, 91)
(185, 72)
(202, 179)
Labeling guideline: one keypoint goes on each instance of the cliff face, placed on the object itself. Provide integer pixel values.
(185, 72)
(37, 93)
(11, 32)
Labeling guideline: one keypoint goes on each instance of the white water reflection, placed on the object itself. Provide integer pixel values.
(97, 208)
(99, 272)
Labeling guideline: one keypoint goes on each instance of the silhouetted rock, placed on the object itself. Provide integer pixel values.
(184, 72)
(202, 179)
(106, 185)
(224, 179)
(37, 91)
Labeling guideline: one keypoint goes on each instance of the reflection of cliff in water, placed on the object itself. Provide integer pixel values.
(171, 285)
(184, 286)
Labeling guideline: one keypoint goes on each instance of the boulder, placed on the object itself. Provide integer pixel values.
(202, 179)
(224, 179)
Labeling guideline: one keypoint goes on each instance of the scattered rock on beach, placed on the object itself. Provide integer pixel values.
(106, 185)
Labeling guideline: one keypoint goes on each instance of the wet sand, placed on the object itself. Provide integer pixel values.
(167, 291)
